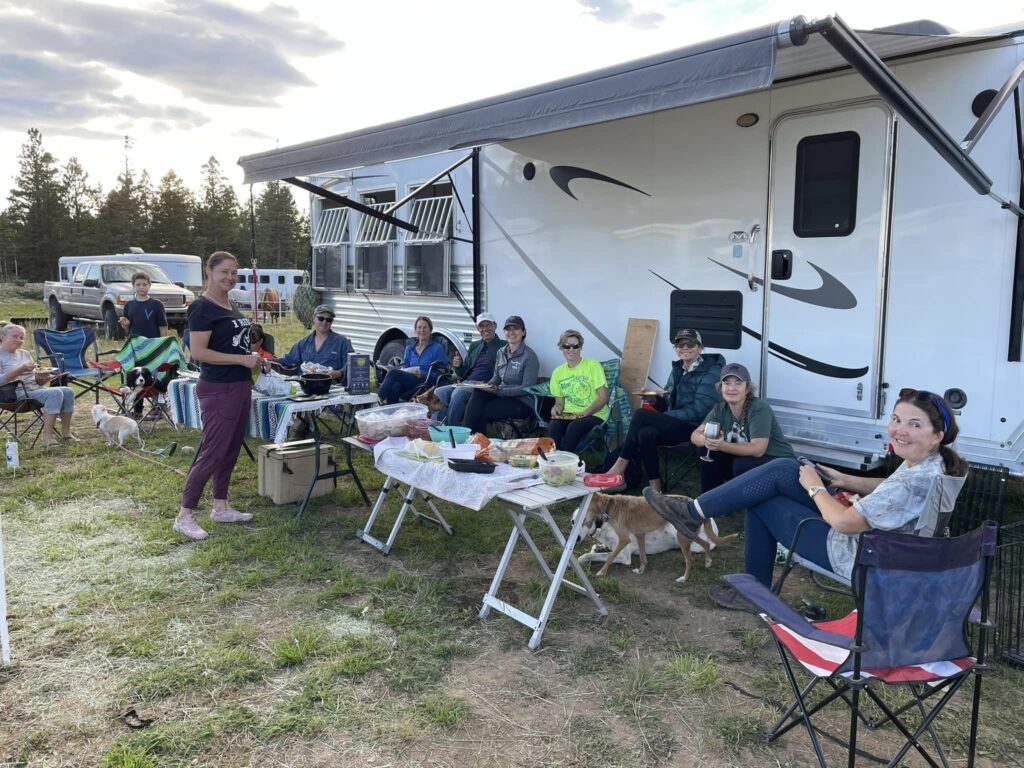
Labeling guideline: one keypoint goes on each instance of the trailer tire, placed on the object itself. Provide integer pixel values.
(392, 353)
(111, 328)
(58, 320)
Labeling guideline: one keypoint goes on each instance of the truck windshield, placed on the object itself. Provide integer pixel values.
(122, 273)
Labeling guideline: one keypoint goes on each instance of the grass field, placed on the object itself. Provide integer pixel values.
(285, 644)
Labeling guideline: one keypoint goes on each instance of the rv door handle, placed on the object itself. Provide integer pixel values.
(782, 265)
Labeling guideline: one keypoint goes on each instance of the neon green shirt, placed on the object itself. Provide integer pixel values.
(579, 386)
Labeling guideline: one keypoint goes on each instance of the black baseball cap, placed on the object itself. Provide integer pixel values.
(737, 370)
(688, 334)
(515, 321)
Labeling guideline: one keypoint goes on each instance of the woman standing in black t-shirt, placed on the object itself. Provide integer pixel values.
(219, 340)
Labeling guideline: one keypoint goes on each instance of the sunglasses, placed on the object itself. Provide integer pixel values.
(686, 344)
(924, 397)
(320, 319)
(572, 346)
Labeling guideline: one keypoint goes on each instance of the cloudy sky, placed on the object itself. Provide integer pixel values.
(186, 79)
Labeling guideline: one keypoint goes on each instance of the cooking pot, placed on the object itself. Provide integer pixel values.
(314, 383)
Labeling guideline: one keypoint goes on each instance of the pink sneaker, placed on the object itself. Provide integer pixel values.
(190, 528)
(230, 515)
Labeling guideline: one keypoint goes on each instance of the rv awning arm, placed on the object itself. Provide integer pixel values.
(859, 56)
(971, 139)
(350, 203)
(422, 188)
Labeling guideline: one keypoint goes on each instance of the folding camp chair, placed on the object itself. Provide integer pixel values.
(22, 406)
(162, 356)
(68, 350)
(915, 597)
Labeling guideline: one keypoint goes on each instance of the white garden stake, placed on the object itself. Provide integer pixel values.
(5, 643)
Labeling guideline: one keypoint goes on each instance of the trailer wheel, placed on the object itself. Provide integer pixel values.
(58, 320)
(392, 353)
(111, 327)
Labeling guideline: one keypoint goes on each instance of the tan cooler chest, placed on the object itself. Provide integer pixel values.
(286, 469)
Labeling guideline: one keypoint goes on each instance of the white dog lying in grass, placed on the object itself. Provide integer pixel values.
(115, 428)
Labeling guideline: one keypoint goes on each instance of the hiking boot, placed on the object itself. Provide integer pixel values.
(725, 596)
(189, 528)
(674, 509)
(230, 515)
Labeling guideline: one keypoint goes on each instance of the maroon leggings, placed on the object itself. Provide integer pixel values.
(225, 409)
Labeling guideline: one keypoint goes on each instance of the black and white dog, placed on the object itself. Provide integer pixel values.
(138, 380)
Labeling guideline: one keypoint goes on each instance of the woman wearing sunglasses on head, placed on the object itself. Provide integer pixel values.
(691, 395)
(323, 346)
(580, 391)
(781, 494)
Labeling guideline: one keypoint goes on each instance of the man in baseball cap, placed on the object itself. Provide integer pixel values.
(477, 366)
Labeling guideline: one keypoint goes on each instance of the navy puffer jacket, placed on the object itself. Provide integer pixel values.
(692, 395)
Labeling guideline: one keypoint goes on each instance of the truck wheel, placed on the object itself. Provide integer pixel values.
(110, 325)
(58, 320)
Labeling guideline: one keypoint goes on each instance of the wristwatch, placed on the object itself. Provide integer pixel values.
(813, 490)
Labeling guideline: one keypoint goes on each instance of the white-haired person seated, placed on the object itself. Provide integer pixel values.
(17, 365)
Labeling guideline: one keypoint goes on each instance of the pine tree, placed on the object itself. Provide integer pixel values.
(8, 246)
(218, 220)
(123, 220)
(37, 211)
(278, 228)
(173, 212)
(82, 201)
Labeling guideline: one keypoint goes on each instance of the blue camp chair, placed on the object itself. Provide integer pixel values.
(915, 598)
(69, 350)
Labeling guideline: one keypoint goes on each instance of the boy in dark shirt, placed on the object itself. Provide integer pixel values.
(144, 316)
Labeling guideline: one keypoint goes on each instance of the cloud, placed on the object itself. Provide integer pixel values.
(250, 133)
(621, 12)
(209, 50)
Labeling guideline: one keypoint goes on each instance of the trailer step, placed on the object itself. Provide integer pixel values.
(850, 459)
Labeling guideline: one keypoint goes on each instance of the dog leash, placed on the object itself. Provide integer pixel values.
(153, 461)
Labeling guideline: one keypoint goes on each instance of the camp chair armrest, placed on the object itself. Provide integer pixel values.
(779, 612)
(111, 353)
(56, 357)
(788, 566)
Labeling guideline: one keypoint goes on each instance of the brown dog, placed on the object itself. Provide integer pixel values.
(429, 399)
(631, 515)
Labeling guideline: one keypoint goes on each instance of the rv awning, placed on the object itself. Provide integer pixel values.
(702, 72)
(728, 66)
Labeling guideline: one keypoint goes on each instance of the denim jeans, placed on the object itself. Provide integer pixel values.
(456, 398)
(776, 503)
(397, 386)
(725, 466)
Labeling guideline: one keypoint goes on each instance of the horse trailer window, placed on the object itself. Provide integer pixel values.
(280, 279)
(297, 279)
(373, 268)
(826, 185)
(329, 267)
(426, 268)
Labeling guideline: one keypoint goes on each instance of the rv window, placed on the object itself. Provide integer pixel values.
(280, 279)
(241, 278)
(297, 279)
(264, 278)
(373, 268)
(826, 185)
(329, 267)
(426, 269)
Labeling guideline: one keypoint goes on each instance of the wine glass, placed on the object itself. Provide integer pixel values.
(712, 430)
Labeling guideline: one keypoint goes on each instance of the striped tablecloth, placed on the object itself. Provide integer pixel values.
(269, 417)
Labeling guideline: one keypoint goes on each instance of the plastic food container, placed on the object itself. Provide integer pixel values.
(559, 468)
(440, 434)
(523, 462)
(388, 420)
(418, 428)
(458, 452)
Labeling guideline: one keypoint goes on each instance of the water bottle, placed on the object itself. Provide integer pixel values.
(13, 461)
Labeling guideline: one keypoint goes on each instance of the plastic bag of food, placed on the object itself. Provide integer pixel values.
(501, 450)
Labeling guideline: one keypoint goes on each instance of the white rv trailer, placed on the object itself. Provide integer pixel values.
(814, 227)
(181, 268)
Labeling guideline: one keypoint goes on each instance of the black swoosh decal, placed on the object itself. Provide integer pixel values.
(562, 175)
(808, 363)
(831, 294)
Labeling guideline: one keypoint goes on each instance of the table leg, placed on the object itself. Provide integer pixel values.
(406, 506)
(506, 557)
(570, 543)
(364, 533)
(437, 519)
(352, 470)
(559, 575)
(519, 520)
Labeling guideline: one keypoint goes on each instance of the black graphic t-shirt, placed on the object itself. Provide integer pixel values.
(229, 333)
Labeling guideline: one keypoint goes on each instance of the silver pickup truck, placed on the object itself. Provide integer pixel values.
(99, 290)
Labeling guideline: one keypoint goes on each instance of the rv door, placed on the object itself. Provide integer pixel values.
(831, 175)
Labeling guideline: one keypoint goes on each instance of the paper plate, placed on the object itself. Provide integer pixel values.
(367, 440)
(603, 480)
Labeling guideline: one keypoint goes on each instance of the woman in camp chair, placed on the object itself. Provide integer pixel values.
(17, 365)
(781, 494)
(581, 394)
